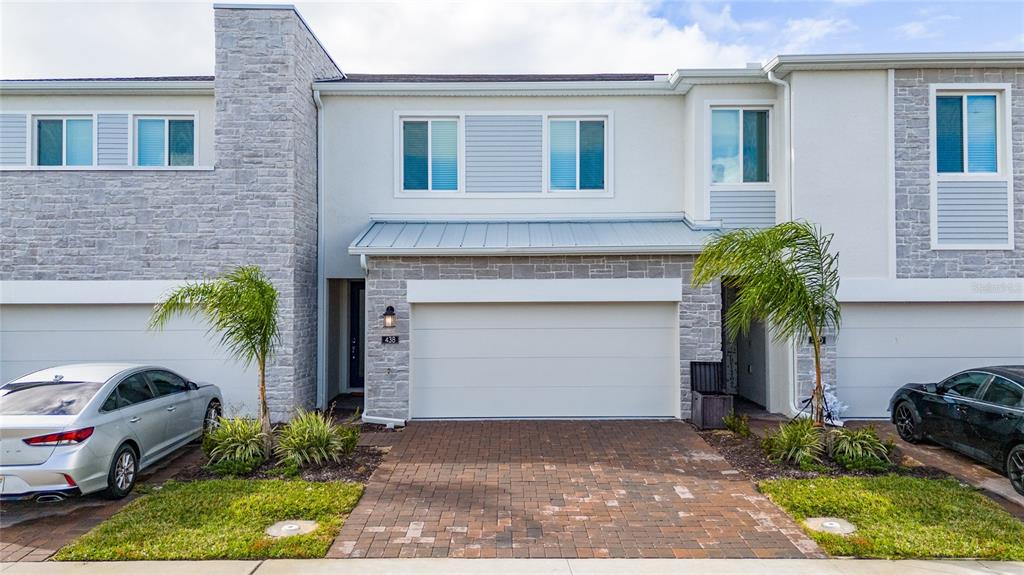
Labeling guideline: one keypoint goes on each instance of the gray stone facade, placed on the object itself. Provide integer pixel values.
(914, 256)
(257, 206)
(387, 366)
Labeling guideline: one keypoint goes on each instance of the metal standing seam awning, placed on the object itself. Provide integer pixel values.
(455, 237)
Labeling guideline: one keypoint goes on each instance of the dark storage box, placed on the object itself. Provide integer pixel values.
(708, 409)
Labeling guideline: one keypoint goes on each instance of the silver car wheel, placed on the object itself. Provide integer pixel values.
(124, 471)
(905, 423)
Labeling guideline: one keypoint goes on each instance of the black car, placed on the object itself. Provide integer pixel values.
(978, 412)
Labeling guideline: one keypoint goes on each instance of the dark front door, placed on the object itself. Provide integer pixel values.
(356, 328)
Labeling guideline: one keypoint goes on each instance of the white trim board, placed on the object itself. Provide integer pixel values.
(866, 290)
(535, 291)
(38, 292)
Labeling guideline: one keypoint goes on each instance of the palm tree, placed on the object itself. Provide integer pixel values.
(784, 275)
(242, 307)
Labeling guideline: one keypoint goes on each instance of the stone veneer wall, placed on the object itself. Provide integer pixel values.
(914, 256)
(387, 367)
(258, 206)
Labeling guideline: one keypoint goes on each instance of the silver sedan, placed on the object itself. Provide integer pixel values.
(83, 428)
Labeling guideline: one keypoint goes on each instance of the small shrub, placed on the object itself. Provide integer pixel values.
(797, 442)
(288, 469)
(867, 463)
(238, 439)
(738, 424)
(857, 444)
(313, 438)
(235, 467)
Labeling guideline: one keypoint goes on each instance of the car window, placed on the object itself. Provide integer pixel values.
(46, 397)
(111, 403)
(1003, 392)
(964, 384)
(166, 383)
(135, 389)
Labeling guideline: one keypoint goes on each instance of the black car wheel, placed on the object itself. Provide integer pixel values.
(121, 477)
(212, 418)
(1015, 468)
(906, 423)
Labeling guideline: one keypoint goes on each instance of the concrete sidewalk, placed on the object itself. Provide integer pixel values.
(523, 567)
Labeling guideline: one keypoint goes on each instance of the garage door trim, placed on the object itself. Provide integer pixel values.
(544, 291)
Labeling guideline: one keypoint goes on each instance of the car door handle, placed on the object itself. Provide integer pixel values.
(172, 408)
(135, 420)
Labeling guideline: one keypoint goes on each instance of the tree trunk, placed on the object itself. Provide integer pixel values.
(818, 399)
(268, 438)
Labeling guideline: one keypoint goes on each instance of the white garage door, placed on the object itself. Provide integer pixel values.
(36, 336)
(883, 346)
(573, 360)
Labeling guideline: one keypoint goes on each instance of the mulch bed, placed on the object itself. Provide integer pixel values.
(746, 455)
(357, 468)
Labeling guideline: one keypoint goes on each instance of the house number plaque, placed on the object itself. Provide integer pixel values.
(389, 339)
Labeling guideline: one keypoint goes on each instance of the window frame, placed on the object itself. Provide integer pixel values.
(429, 117)
(944, 387)
(34, 119)
(544, 193)
(577, 118)
(120, 400)
(744, 105)
(134, 139)
(149, 374)
(988, 385)
(1004, 167)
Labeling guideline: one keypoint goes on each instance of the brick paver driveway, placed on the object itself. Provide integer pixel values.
(562, 489)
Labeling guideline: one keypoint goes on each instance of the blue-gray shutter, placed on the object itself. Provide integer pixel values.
(13, 139)
(112, 142)
(504, 154)
(972, 213)
(743, 208)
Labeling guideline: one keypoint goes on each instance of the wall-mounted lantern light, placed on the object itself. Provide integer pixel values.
(389, 316)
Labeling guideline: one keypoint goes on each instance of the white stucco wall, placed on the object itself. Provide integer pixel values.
(842, 167)
(200, 106)
(359, 163)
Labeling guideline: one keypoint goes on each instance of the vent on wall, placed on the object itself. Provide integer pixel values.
(504, 153)
(743, 208)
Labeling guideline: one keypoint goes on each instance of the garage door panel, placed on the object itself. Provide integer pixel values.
(883, 346)
(544, 315)
(552, 402)
(34, 337)
(544, 360)
(534, 373)
(526, 342)
(980, 342)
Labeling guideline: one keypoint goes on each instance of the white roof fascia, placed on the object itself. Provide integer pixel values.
(91, 87)
(785, 64)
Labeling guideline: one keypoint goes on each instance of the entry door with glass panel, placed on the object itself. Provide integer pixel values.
(356, 328)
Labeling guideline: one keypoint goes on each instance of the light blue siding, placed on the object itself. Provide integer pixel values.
(972, 213)
(13, 139)
(504, 154)
(112, 145)
(743, 208)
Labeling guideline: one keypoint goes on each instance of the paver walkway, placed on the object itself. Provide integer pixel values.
(563, 489)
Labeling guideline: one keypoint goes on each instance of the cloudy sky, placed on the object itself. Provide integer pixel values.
(80, 39)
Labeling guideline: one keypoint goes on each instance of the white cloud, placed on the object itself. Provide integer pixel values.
(723, 21)
(162, 38)
(929, 27)
(801, 34)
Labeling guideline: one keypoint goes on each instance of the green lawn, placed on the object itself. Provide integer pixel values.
(219, 519)
(903, 517)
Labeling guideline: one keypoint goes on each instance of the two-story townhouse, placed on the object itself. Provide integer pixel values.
(516, 246)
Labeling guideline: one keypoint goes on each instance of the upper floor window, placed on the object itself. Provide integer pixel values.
(577, 154)
(739, 145)
(966, 133)
(64, 141)
(430, 154)
(164, 141)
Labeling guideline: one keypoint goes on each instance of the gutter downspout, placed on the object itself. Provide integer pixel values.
(787, 137)
(321, 264)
